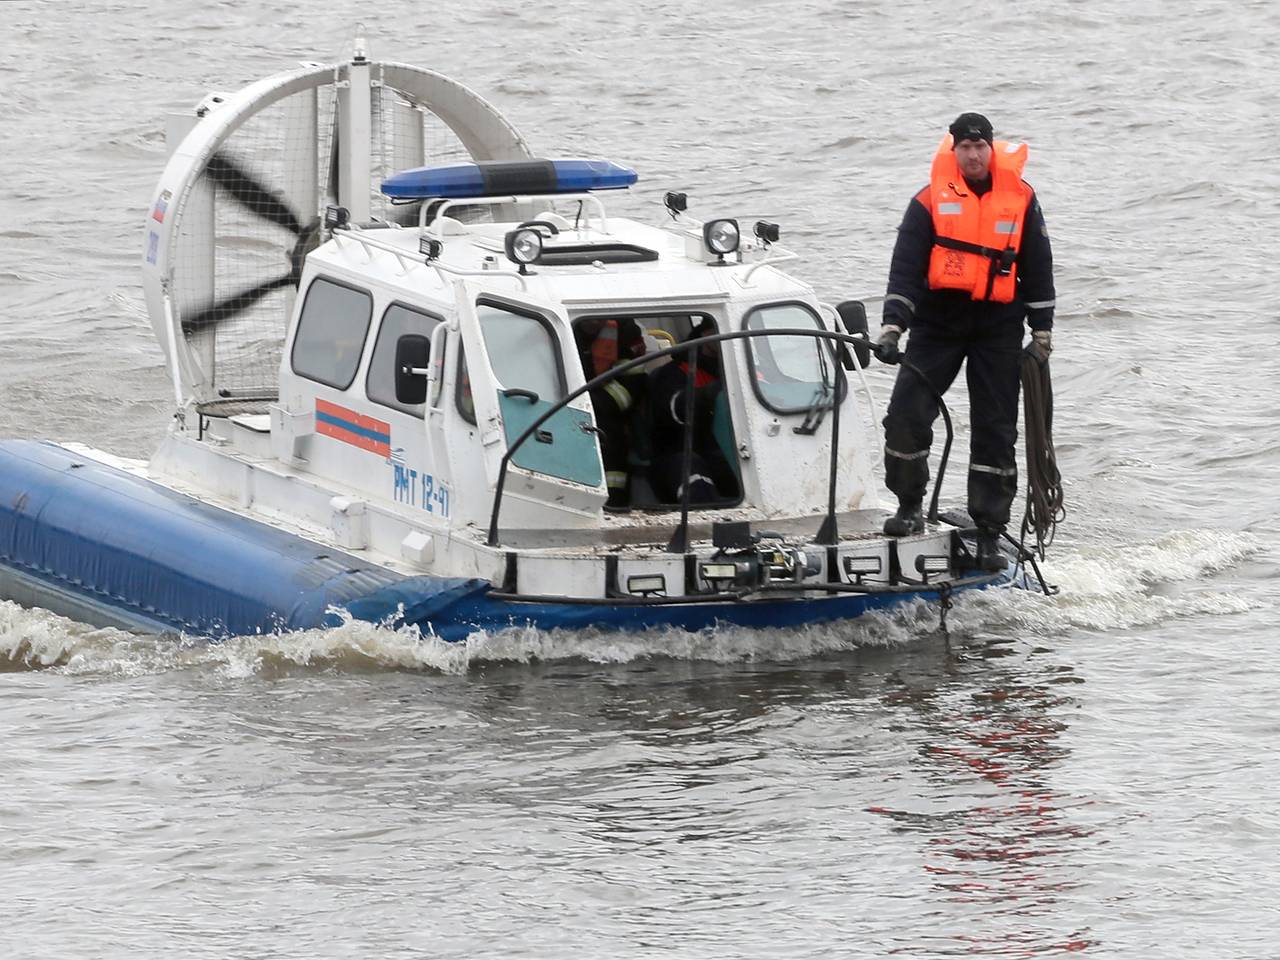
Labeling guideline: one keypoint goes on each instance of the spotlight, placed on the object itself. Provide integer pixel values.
(336, 217)
(647, 584)
(430, 247)
(858, 567)
(767, 232)
(523, 247)
(721, 237)
(720, 576)
(676, 203)
(931, 565)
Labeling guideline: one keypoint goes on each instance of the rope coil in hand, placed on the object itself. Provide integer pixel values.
(1045, 508)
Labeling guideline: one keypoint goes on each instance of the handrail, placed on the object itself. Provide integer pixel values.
(437, 212)
(828, 529)
(834, 318)
(782, 256)
(679, 542)
(828, 534)
(408, 260)
(443, 268)
(405, 258)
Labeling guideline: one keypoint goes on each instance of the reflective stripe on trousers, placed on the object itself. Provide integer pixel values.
(696, 478)
(998, 471)
(917, 455)
(620, 394)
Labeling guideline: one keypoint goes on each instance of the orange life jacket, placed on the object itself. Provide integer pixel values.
(604, 348)
(977, 238)
(701, 377)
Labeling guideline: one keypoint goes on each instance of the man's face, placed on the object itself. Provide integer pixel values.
(974, 158)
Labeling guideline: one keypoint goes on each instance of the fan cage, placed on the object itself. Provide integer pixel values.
(229, 245)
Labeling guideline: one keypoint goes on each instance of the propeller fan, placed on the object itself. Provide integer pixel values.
(250, 193)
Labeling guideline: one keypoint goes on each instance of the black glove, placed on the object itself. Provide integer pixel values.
(1041, 346)
(886, 348)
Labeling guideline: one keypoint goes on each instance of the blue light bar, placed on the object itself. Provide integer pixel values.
(493, 178)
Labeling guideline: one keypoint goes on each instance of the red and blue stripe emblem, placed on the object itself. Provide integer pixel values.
(353, 428)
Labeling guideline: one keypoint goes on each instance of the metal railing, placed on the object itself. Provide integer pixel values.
(828, 534)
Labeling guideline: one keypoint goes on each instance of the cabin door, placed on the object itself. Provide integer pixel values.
(521, 360)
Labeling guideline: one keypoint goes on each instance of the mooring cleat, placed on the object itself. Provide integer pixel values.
(906, 521)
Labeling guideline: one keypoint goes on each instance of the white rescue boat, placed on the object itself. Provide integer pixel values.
(423, 377)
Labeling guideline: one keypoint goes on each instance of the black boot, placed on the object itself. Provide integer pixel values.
(990, 558)
(619, 498)
(906, 521)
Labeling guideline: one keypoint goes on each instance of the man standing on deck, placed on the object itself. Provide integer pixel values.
(971, 263)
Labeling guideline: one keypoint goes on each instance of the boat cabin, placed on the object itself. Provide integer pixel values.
(416, 358)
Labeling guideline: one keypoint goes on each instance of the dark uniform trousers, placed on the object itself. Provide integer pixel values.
(992, 373)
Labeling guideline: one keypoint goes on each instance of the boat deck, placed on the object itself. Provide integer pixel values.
(853, 525)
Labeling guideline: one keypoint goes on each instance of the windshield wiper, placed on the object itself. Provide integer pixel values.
(815, 412)
(818, 407)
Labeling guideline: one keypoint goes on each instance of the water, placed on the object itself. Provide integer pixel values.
(1091, 773)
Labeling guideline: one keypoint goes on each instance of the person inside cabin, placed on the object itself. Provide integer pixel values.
(711, 477)
(603, 343)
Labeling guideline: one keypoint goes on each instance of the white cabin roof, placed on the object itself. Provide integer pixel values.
(390, 255)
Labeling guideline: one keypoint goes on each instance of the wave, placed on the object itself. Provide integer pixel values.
(1103, 587)
(1120, 585)
(36, 639)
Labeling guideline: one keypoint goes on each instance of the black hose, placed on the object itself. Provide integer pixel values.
(932, 516)
(1045, 509)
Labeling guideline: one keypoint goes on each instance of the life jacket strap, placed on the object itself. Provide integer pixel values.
(1002, 257)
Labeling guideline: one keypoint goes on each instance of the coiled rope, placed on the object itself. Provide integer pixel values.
(1045, 508)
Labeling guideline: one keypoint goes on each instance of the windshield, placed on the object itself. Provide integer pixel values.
(790, 374)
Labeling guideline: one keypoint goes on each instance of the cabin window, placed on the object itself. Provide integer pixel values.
(331, 333)
(523, 351)
(789, 374)
(396, 322)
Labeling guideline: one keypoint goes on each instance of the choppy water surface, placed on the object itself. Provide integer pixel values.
(1093, 773)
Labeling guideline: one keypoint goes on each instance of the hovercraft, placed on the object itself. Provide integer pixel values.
(470, 398)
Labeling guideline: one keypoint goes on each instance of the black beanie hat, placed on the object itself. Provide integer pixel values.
(971, 126)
